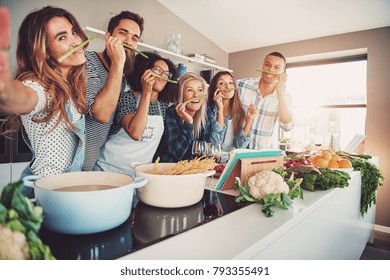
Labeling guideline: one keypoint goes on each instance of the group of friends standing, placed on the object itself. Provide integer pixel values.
(105, 110)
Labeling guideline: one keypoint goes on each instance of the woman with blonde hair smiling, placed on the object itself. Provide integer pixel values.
(187, 121)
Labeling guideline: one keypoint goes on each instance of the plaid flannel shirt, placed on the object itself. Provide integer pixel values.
(176, 143)
(268, 112)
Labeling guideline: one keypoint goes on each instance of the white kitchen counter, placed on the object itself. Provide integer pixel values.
(324, 225)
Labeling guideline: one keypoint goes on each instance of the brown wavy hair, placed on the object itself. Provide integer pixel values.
(237, 110)
(34, 63)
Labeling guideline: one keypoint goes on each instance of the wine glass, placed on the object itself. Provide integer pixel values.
(319, 138)
(214, 150)
(198, 148)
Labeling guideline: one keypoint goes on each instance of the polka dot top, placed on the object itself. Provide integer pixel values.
(53, 149)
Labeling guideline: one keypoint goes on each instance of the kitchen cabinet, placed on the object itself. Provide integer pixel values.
(14, 156)
(10, 172)
(12, 147)
(5, 175)
(5, 145)
(17, 169)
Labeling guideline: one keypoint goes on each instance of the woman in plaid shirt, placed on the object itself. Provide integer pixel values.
(188, 121)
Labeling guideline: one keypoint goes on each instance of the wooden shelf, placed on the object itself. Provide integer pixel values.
(174, 56)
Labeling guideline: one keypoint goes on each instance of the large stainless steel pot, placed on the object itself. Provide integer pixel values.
(89, 209)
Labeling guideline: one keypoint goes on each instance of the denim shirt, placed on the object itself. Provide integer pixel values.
(240, 141)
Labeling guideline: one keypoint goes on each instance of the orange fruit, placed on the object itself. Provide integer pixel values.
(322, 163)
(327, 155)
(315, 159)
(345, 163)
(333, 164)
(330, 151)
(335, 158)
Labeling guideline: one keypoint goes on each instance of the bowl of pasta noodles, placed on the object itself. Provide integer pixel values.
(173, 185)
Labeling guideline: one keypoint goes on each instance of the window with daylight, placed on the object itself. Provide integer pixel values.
(329, 96)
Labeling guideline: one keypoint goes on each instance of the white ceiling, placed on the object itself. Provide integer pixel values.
(236, 25)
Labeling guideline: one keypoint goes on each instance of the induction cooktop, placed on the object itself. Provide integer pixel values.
(145, 226)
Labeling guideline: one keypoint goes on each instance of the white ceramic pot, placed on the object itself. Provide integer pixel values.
(170, 191)
(87, 211)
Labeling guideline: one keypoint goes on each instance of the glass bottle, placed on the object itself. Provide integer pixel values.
(334, 141)
(171, 46)
(179, 44)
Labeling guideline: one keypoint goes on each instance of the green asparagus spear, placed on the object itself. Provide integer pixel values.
(192, 99)
(68, 53)
(265, 71)
(165, 79)
(134, 49)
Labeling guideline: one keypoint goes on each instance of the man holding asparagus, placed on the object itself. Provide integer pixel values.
(107, 71)
(273, 103)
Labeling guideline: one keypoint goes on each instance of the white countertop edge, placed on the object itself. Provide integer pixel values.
(238, 235)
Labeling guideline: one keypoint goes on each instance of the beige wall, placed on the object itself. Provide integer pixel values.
(377, 41)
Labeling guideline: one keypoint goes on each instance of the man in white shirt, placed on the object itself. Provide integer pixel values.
(272, 101)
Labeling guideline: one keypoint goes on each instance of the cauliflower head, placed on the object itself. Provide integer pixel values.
(13, 245)
(267, 182)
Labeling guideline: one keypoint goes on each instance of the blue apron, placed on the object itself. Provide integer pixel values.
(78, 158)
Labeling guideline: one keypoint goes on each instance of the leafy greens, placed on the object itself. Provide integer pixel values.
(19, 214)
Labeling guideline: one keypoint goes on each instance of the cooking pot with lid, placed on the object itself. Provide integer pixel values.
(84, 202)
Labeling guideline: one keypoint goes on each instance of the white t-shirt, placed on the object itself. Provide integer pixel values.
(54, 150)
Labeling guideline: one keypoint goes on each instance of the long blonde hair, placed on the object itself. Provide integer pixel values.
(200, 117)
(34, 63)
